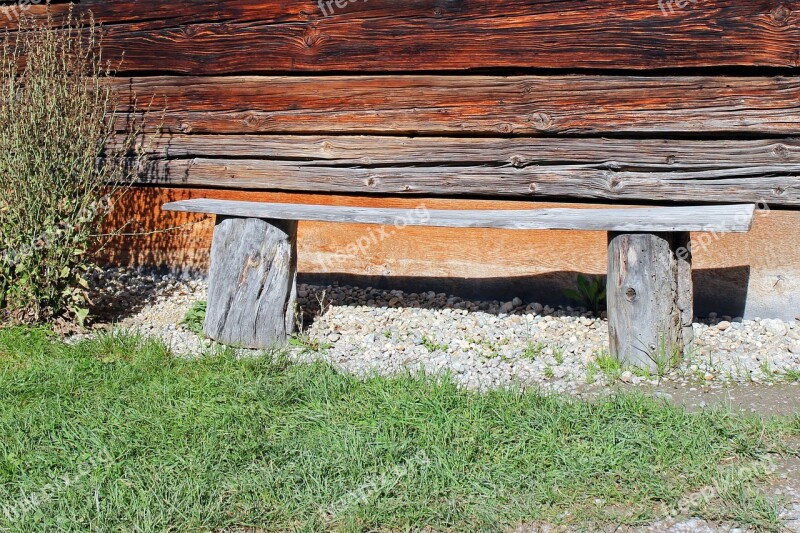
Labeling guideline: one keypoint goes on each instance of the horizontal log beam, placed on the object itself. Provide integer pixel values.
(774, 185)
(224, 37)
(607, 169)
(319, 151)
(477, 105)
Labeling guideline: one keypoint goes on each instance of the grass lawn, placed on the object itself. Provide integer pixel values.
(116, 434)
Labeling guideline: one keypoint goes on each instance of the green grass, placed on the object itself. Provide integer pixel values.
(792, 375)
(117, 435)
(609, 365)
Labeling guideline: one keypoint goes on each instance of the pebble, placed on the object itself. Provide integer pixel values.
(775, 327)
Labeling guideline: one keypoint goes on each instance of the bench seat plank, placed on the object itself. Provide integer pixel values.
(717, 218)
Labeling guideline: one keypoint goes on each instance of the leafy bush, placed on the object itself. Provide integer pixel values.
(58, 115)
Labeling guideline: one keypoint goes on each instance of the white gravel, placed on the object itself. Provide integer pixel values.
(483, 344)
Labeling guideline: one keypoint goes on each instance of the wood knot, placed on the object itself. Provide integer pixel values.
(189, 31)
(371, 181)
(532, 187)
(327, 146)
(518, 161)
(630, 294)
(541, 121)
(308, 15)
(438, 12)
(313, 37)
(253, 120)
(185, 127)
(505, 127)
(671, 159)
(780, 15)
(781, 151)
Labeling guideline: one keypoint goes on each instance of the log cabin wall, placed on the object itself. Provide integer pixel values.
(472, 103)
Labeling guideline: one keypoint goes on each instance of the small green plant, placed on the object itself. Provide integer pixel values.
(591, 373)
(792, 375)
(432, 346)
(309, 345)
(664, 359)
(558, 355)
(548, 372)
(766, 369)
(609, 365)
(387, 334)
(643, 372)
(195, 316)
(590, 293)
(533, 351)
(491, 347)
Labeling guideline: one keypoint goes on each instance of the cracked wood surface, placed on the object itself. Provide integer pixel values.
(608, 169)
(720, 218)
(252, 282)
(226, 36)
(473, 105)
(650, 302)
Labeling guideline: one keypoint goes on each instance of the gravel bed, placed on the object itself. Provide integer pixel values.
(482, 344)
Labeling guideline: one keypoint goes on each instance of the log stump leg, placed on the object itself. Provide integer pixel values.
(650, 297)
(252, 283)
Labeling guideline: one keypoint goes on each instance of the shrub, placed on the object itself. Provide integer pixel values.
(62, 167)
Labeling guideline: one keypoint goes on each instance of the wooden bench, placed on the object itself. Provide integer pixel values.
(252, 279)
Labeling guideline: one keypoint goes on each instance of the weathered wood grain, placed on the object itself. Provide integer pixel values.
(724, 218)
(476, 105)
(320, 151)
(635, 169)
(384, 35)
(649, 297)
(252, 282)
(774, 184)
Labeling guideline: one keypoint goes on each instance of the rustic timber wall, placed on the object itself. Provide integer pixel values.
(510, 101)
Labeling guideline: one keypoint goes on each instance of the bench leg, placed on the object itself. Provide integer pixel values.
(252, 283)
(650, 299)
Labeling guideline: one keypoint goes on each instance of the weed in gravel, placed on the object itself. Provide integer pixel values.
(533, 351)
(609, 365)
(432, 346)
(308, 344)
(194, 318)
